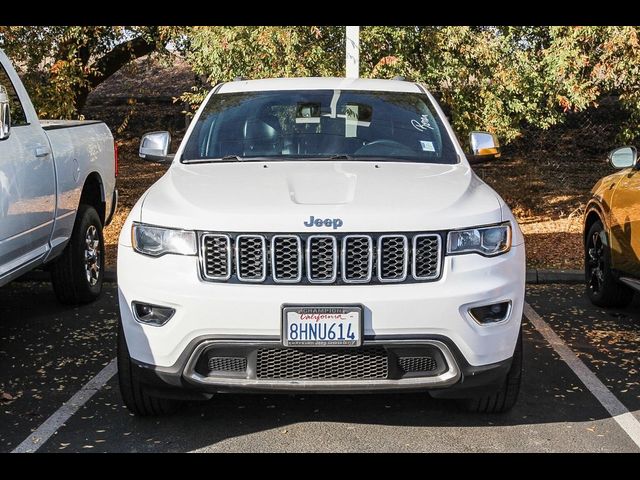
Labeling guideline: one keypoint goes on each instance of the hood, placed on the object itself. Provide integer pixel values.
(344, 196)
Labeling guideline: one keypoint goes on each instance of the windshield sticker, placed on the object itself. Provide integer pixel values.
(422, 124)
(427, 146)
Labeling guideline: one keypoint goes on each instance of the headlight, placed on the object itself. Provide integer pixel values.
(487, 241)
(157, 241)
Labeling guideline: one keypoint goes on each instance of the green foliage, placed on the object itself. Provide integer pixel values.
(222, 53)
(584, 64)
(60, 65)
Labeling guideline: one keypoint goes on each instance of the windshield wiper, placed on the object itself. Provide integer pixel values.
(237, 158)
(337, 156)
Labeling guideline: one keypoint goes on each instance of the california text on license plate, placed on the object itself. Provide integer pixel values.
(322, 326)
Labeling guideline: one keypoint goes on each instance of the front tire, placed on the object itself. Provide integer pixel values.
(134, 394)
(505, 397)
(602, 287)
(78, 273)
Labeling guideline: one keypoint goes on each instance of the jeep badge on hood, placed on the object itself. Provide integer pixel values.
(327, 222)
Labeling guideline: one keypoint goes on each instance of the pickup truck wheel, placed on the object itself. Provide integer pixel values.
(503, 399)
(602, 287)
(135, 397)
(77, 274)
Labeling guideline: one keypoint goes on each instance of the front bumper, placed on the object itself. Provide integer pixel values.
(453, 378)
(416, 314)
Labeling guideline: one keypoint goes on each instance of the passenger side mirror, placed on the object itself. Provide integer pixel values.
(154, 146)
(5, 114)
(623, 157)
(484, 147)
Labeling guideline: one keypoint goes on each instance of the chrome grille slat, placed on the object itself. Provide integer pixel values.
(357, 258)
(337, 258)
(251, 258)
(393, 256)
(426, 256)
(216, 256)
(322, 259)
(286, 258)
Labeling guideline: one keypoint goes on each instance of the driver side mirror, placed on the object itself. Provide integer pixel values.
(484, 147)
(5, 114)
(623, 157)
(154, 146)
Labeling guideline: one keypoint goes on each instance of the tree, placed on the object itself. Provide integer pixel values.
(60, 65)
(585, 64)
(221, 53)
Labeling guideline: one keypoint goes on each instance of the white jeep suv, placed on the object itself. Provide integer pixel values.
(320, 235)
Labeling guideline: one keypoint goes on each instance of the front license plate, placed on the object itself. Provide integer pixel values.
(322, 326)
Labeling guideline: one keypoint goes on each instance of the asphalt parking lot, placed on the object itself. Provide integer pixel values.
(48, 352)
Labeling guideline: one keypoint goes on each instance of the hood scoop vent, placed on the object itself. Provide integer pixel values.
(322, 188)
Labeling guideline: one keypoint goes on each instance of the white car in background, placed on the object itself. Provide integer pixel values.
(57, 191)
(320, 235)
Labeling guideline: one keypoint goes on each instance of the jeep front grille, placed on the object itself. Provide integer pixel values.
(321, 259)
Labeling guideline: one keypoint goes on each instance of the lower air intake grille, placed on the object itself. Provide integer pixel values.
(227, 364)
(417, 364)
(289, 363)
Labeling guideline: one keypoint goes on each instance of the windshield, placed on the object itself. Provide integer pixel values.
(320, 124)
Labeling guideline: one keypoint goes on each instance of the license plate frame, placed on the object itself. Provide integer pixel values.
(357, 325)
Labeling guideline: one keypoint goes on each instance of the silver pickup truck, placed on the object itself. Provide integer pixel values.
(57, 191)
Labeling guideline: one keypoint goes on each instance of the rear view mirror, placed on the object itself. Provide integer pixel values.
(5, 114)
(484, 147)
(623, 157)
(154, 146)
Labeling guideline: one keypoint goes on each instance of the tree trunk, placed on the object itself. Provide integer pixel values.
(110, 63)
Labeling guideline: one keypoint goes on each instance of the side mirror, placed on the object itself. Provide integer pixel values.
(484, 147)
(623, 157)
(5, 114)
(154, 146)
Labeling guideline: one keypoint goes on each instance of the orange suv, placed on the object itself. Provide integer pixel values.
(612, 233)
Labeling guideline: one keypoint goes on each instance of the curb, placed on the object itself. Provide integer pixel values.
(536, 276)
(555, 276)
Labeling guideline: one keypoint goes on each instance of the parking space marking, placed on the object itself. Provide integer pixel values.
(38, 438)
(609, 401)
